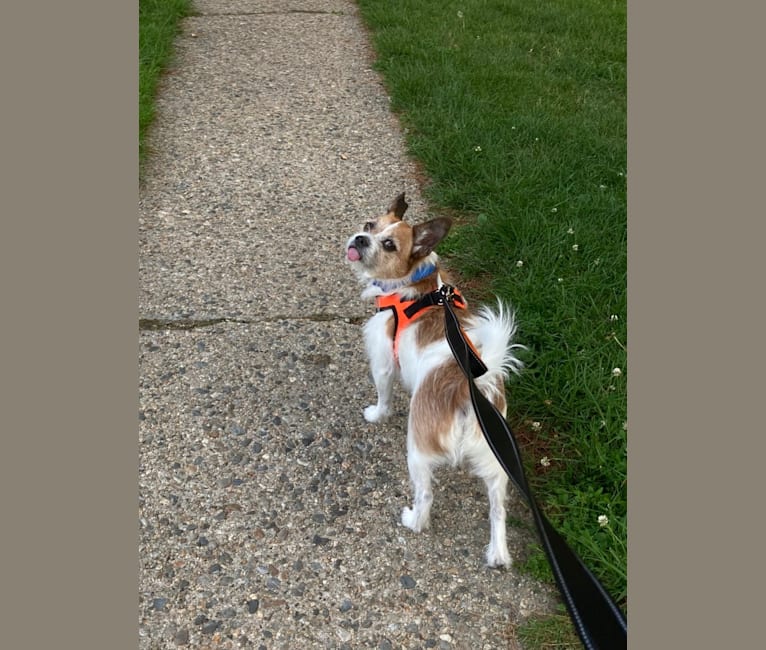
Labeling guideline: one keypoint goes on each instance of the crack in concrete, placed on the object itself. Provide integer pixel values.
(155, 324)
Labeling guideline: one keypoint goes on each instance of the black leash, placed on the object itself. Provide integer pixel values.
(599, 622)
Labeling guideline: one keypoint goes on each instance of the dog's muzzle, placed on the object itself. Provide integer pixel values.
(356, 247)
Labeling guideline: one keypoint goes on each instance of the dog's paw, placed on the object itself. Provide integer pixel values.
(498, 557)
(374, 413)
(410, 519)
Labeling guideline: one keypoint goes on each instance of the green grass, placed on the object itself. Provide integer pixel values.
(552, 633)
(158, 24)
(517, 112)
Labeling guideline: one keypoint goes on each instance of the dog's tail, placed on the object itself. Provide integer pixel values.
(493, 332)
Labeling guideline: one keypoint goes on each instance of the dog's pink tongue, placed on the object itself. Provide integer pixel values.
(353, 254)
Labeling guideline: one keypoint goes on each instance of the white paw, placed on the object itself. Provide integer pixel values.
(498, 557)
(410, 519)
(374, 413)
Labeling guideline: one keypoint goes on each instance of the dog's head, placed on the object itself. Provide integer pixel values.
(389, 248)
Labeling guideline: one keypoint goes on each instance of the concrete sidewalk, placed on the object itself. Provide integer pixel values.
(269, 509)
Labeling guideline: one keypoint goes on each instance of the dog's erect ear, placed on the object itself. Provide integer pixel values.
(399, 206)
(425, 236)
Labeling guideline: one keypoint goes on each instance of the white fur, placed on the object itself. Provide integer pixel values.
(380, 352)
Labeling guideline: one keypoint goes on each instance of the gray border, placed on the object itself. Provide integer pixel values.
(69, 327)
(695, 148)
(69, 400)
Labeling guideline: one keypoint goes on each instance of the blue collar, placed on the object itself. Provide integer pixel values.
(420, 273)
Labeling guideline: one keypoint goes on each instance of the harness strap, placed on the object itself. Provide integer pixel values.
(406, 312)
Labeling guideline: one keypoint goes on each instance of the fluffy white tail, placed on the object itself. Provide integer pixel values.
(492, 332)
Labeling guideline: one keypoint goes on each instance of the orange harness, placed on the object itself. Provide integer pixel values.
(406, 312)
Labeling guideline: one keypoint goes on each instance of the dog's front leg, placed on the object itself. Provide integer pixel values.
(417, 518)
(380, 353)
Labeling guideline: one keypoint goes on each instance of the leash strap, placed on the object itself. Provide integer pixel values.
(599, 622)
(447, 295)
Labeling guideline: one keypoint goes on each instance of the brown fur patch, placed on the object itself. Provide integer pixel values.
(394, 264)
(438, 398)
(383, 222)
(431, 325)
(499, 401)
(441, 395)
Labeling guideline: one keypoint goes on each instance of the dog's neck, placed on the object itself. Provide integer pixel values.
(406, 285)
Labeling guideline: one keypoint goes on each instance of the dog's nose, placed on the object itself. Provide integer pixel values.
(361, 241)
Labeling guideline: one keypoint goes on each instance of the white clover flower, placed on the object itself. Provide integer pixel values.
(625, 425)
(545, 461)
(560, 280)
(575, 247)
(477, 148)
(519, 264)
(603, 520)
(554, 209)
(616, 372)
(460, 14)
(570, 231)
(614, 318)
(602, 424)
(513, 128)
(602, 187)
(536, 426)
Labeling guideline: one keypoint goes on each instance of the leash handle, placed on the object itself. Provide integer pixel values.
(599, 622)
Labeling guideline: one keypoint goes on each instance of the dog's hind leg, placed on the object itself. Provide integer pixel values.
(485, 466)
(497, 550)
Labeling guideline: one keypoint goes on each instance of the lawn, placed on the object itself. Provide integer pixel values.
(516, 112)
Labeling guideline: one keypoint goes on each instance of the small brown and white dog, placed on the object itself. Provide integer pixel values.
(398, 266)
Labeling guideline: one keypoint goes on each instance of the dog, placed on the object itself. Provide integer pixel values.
(397, 264)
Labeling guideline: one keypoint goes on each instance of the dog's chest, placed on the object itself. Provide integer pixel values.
(379, 333)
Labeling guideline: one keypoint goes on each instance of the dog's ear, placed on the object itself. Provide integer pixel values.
(399, 206)
(425, 236)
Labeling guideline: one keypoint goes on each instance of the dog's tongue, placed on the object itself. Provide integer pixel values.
(353, 254)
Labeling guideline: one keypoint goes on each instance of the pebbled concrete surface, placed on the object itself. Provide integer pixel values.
(269, 509)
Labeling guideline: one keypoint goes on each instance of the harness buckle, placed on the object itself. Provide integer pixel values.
(446, 294)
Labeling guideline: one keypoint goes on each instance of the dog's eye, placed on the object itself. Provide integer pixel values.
(389, 245)
(369, 226)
